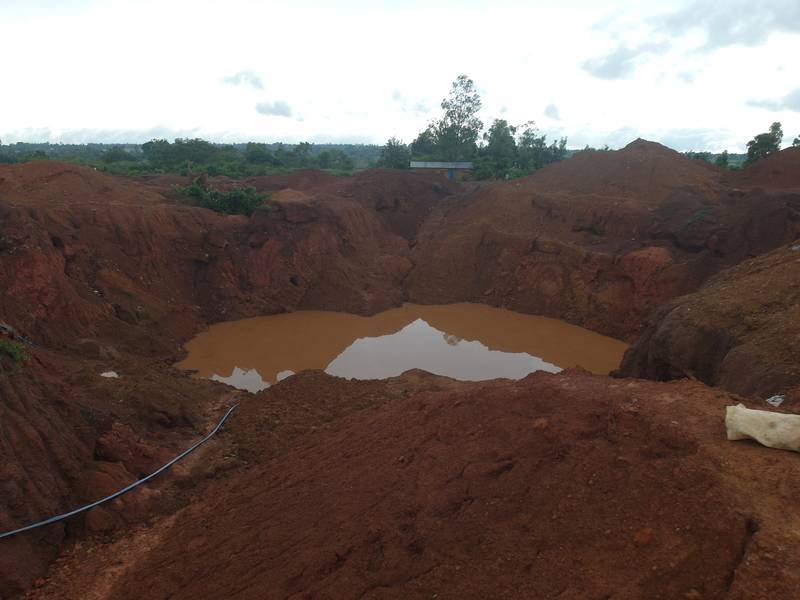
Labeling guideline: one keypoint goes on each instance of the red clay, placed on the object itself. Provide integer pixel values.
(567, 486)
(107, 273)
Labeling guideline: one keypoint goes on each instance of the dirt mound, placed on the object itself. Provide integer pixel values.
(303, 179)
(739, 331)
(603, 254)
(779, 171)
(568, 486)
(401, 199)
(646, 171)
(50, 182)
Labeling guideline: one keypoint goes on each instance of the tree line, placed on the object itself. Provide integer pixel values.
(506, 151)
(188, 156)
(502, 151)
(759, 148)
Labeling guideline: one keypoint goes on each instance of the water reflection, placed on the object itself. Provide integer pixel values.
(420, 346)
(463, 341)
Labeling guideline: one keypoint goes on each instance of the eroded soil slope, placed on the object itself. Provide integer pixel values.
(601, 239)
(106, 273)
(567, 486)
(740, 331)
(80, 251)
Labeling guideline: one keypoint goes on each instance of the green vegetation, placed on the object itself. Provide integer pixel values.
(395, 155)
(504, 151)
(12, 350)
(455, 134)
(188, 156)
(764, 144)
(724, 159)
(701, 214)
(237, 201)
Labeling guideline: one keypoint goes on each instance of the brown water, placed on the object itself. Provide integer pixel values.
(463, 341)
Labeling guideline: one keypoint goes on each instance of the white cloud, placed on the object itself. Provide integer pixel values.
(279, 108)
(551, 110)
(790, 101)
(350, 81)
(245, 78)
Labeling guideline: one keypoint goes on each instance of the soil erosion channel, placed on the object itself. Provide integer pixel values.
(464, 341)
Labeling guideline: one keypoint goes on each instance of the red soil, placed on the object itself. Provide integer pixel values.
(586, 241)
(109, 273)
(779, 171)
(740, 331)
(567, 486)
(645, 171)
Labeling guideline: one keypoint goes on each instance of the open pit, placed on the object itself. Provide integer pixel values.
(568, 485)
(468, 342)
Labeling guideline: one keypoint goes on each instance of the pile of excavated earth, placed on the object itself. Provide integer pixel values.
(566, 485)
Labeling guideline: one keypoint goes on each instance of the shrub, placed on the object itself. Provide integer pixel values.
(12, 350)
(237, 201)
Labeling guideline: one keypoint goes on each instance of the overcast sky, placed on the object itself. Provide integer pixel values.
(694, 75)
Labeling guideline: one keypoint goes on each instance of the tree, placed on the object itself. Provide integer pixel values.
(458, 130)
(706, 156)
(395, 155)
(300, 155)
(157, 152)
(722, 160)
(533, 151)
(425, 144)
(324, 159)
(764, 144)
(499, 156)
(115, 154)
(257, 154)
(796, 141)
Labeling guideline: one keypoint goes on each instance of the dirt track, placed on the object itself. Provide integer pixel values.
(106, 273)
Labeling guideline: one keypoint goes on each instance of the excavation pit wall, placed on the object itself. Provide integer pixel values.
(105, 273)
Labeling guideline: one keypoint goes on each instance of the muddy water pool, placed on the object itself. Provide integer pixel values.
(463, 341)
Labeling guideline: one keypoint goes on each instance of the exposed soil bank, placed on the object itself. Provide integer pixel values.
(567, 486)
(740, 331)
(111, 274)
(601, 239)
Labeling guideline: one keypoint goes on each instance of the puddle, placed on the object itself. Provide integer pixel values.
(463, 341)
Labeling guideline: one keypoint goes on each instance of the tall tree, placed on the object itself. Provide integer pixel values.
(764, 144)
(722, 160)
(459, 128)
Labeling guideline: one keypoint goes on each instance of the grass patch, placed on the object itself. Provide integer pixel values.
(12, 350)
(702, 214)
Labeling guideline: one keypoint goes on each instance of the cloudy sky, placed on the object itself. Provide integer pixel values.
(695, 75)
